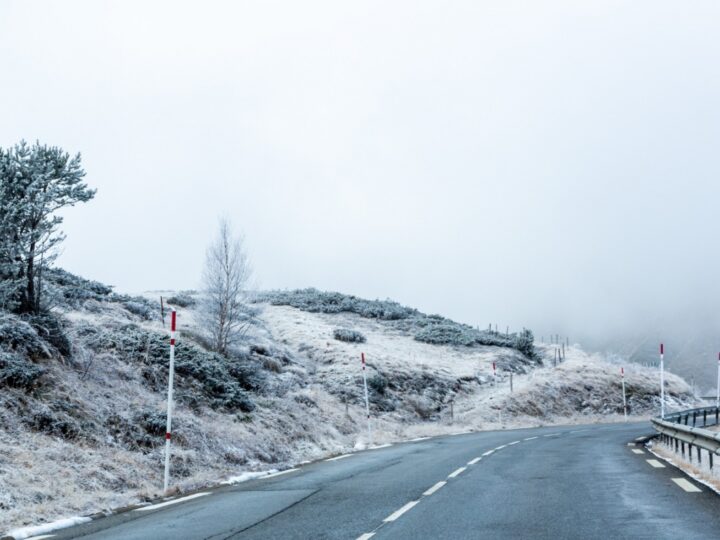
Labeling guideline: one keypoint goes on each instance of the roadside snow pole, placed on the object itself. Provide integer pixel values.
(494, 375)
(717, 395)
(622, 376)
(662, 381)
(171, 376)
(367, 401)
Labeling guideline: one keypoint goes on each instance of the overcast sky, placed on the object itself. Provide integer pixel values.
(544, 164)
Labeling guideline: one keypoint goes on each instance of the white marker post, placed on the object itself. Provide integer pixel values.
(622, 375)
(367, 401)
(171, 376)
(662, 381)
(717, 396)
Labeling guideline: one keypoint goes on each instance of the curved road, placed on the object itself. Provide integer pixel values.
(562, 482)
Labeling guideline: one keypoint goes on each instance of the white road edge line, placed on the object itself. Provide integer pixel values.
(456, 472)
(281, 472)
(637, 451)
(687, 486)
(501, 447)
(530, 438)
(168, 503)
(365, 536)
(398, 513)
(655, 463)
(488, 453)
(514, 442)
(474, 461)
(434, 488)
(418, 439)
(380, 446)
(41, 537)
(338, 457)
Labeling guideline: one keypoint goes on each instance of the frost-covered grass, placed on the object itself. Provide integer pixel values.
(84, 432)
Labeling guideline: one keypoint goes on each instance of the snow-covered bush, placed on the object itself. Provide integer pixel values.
(69, 290)
(446, 334)
(316, 301)
(19, 336)
(348, 335)
(220, 382)
(181, 300)
(17, 372)
(51, 329)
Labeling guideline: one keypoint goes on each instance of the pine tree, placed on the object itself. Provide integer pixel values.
(35, 182)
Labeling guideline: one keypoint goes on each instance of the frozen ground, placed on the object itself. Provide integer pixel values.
(308, 405)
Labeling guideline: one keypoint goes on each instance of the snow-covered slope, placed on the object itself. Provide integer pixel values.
(83, 431)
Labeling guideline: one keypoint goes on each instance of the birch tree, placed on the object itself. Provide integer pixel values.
(224, 309)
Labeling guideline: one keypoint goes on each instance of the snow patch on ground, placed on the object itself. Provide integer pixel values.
(27, 532)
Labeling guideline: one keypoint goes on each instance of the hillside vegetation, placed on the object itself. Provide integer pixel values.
(82, 406)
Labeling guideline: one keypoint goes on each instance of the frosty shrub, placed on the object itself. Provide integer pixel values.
(182, 300)
(316, 301)
(71, 291)
(446, 334)
(54, 423)
(220, 382)
(378, 383)
(51, 329)
(141, 307)
(350, 336)
(17, 372)
(19, 336)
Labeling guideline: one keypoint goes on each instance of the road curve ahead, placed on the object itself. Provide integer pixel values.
(579, 482)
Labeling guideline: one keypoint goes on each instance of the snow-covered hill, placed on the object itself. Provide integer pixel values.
(83, 392)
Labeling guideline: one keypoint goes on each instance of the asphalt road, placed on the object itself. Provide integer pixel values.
(579, 482)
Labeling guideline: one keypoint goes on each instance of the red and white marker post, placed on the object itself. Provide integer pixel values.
(717, 396)
(367, 401)
(622, 376)
(662, 381)
(171, 377)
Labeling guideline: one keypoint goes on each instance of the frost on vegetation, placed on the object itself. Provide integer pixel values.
(223, 382)
(349, 336)
(182, 300)
(432, 329)
(17, 372)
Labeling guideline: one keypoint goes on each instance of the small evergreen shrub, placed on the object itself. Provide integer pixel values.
(16, 372)
(19, 336)
(349, 336)
(182, 300)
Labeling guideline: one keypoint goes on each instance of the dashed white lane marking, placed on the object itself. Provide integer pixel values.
(398, 513)
(365, 536)
(514, 442)
(501, 447)
(281, 472)
(530, 438)
(338, 457)
(434, 488)
(550, 435)
(637, 451)
(655, 463)
(163, 505)
(488, 453)
(456, 472)
(474, 461)
(687, 486)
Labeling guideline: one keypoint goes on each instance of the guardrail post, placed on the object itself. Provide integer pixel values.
(694, 418)
(717, 413)
(699, 455)
(682, 448)
(690, 452)
(677, 445)
(711, 459)
(705, 418)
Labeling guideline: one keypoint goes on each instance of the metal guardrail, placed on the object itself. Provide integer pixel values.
(687, 428)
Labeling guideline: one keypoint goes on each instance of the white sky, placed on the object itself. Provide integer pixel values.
(547, 164)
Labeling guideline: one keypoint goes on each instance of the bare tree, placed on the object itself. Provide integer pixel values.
(226, 316)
